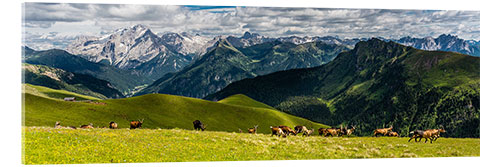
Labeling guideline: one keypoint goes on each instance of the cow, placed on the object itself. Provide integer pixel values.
(136, 124)
(350, 131)
(89, 126)
(113, 125)
(416, 134)
(437, 133)
(277, 131)
(383, 131)
(300, 129)
(287, 130)
(253, 130)
(332, 132)
(58, 125)
(198, 125)
(308, 132)
(321, 131)
(393, 134)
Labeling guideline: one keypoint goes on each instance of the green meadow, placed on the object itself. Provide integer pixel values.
(46, 145)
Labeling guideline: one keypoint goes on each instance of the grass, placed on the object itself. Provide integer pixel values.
(158, 111)
(43, 145)
(54, 93)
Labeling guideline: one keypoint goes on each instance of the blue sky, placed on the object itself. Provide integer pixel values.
(45, 22)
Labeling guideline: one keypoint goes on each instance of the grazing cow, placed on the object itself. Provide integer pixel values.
(341, 131)
(113, 125)
(198, 125)
(433, 134)
(300, 129)
(321, 131)
(429, 134)
(416, 134)
(89, 126)
(287, 130)
(253, 130)
(308, 132)
(332, 132)
(383, 131)
(350, 131)
(58, 125)
(277, 131)
(393, 134)
(136, 124)
(437, 134)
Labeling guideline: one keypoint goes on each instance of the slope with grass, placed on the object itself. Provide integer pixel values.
(159, 111)
(63, 80)
(44, 145)
(123, 80)
(375, 85)
(53, 93)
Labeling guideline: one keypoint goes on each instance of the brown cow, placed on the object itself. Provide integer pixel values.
(113, 125)
(383, 131)
(393, 134)
(308, 132)
(277, 131)
(433, 134)
(300, 129)
(89, 126)
(416, 134)
(287, 130)
(253, 130)
(198, 125)
(321, 131)
(332, 132)
(350, 131)
(58, 125)
(136, 124)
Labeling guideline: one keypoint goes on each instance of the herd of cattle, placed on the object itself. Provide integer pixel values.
(284, 131)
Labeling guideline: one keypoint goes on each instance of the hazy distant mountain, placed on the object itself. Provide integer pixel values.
(443, 43)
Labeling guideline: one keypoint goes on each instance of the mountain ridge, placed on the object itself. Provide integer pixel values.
(375, 84)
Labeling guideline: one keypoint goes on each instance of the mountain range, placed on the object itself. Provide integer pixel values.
(225, 63)
(377, 84)
(138, 49)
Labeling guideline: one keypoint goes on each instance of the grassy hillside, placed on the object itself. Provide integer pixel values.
(375, 85)
(60, 79)
(44, 145)
(242, 100)
(158, 111)
(123, 80)
(53, 93)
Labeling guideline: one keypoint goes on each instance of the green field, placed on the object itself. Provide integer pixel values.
(157, 110)
(44, 145)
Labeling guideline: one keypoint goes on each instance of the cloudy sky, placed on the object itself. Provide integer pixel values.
(55, 25)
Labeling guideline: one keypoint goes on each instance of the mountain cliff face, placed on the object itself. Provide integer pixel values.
(225, 64)
(443, 43)
(59, 79)
(136, 48)
(377, 83)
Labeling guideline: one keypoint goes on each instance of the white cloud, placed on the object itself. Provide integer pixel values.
(73, 19)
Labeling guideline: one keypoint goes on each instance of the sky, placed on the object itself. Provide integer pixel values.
(54, 25)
